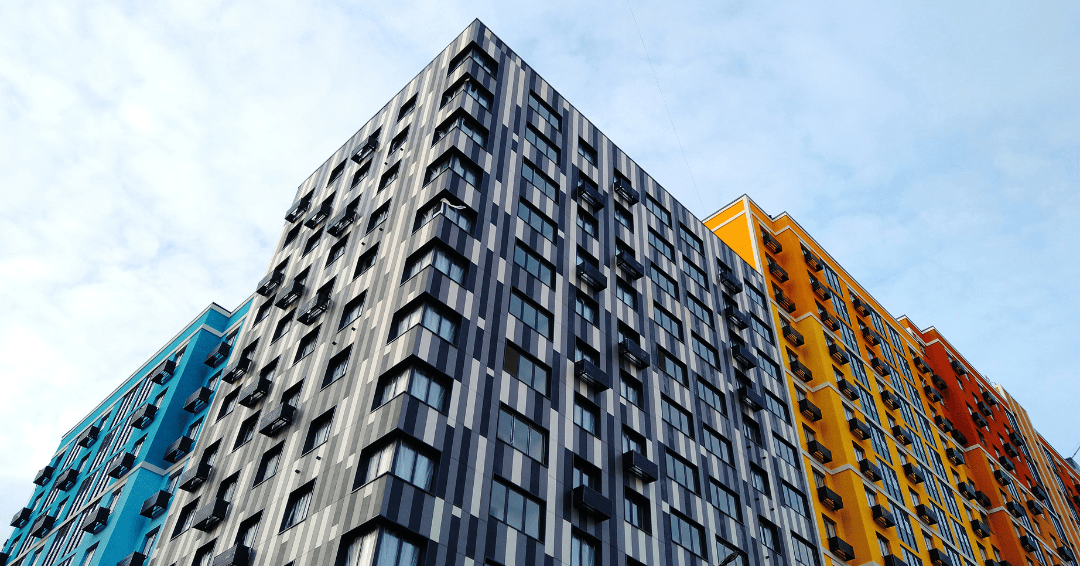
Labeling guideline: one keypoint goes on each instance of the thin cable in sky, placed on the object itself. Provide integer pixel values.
(666, 109)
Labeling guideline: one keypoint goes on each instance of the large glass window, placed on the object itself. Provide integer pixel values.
(381, 548)
(517, 509)
(535, 265)
(532, 315)
(522, 435)
(544, 111)
(445, 262)
(298, 505)
(527, 369)
(431, 316)
(676, 417)
(542, 144)
(403, 461)
(687, 535)
(656, 208)
(533, 217)
(667, 321)
(725, 500)
(536, 178)
(419, 382)
(466, 169)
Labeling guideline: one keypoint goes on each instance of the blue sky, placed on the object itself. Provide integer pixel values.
(149, 150)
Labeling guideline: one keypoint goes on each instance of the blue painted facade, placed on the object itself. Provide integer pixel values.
(91, 504)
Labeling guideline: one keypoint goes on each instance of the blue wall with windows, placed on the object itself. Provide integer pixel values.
(113, 461)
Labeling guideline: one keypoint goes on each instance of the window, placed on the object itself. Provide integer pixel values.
(352, 311)
(291, 236)
(545, 112)
(687, 535)
(626, 293)
(631, 390)
(430, 315)
(769, 537)
(461, 121)
(307, 344)
(536, 178)
(337, 366)
(759, 479)
(711, 396)
(522, 435)
(794, 499)
(665, 283)
(719, 446)
(337, 250)
(656, 208)
(312, 242)
(707, 352)
(768, 366)
(673, 368)
(761, 328)
(805, 555)
(402, 460)
(624, 217)
(667, 321)
(319, 432)
(392, 550)
(282, 327)
(586, 308)
(527, 369)
(585, 474)
(264, 309)
(695, 274)
(249, 530)
(407, 108)
(532, 263)
(247, 431)
(583, 351)
(367, 259)
(661, 245)
(442, 260)
(636, 510)
(725, 500)
(470, 87)
(518, 510)
(724, 553)
(418, 381)
(531, 315)
(228, 404)
(777, 407)
(296, 509)
(475, 54)
(756, 297)
(377, 218)
(690, 240)
(204, 555)
(586, 416)
(459, 164)
(676, 417)
(752, 430)
(187, 514)
(360, 174)
(542, 144)
(268, 466)
(537, 220)
(586, 151)
(699, 310)
(786, 452)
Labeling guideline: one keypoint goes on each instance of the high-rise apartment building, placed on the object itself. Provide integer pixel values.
(916, 458)
(102, 499)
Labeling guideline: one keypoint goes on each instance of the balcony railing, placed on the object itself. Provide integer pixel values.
(592, 502)
(592, 276)
(901, 435)
(133, 559)
(742, 355)
(44, 475)
(932, 394)
(96, 521)
(1028, 544)
(841, 549)
(819, 451)
(208, 516)
(955, 456)
(237, 370)
(594, 198)
(163, 372)
(218, 354)
(810, 410)
(194, 477)
(983, 408)
(66, 479)
(1002, 478)
(981, 529)
(830, 321)
(870, 336)
(793, 335)
(637, 464)
(820, 290)
(737, 318)
(1015, 509)
(752, 399)
(1006, 463)
(270, 283)
(939, 558)
(178, 449)
(776, 270)
(341, 222)
(156, 504)
(297, 210)
(253, 393)
(800, 370)
(772, 243)
(921, 365)
(198, 400)
(277, 420)
(310, 311)
(983, 499)
(291, 294)
(143, 416)
(847, 389)
(630, 266)
(880, 366)
(938, 382)
(979, 420)
(830, 498)
(730, 282)
(636, 355)
(21, 518)
(785, 303)
(958, 367)
(1008, 448)
(1016, 438)
(42, 526)
(320, 214)
(88, 436)
(860, 306)
(889, 400)
(591, 373)
(966, 490)
(883, 516)
(990, 398)
(858, 428)
(812, 261)
(925, 514)
(121, 465)
(870, 470)
(943, 423)
(624, 190)
(837, 352)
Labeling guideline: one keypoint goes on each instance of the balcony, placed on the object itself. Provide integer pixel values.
(21, 518)
(889, 400)
(921, 365)
(177, 450)
(812, 261)
(1066, 553)
(1034, 507)
(237, 370)
(837, 352)
(277, 420)
(1016, 438)
(982, 499)
(237, 555)
(847, 389)
(958, 367)
(981, 529)
(218, 355)
(1002, 478)
(830, 498)
(858, 428)
(1028, 544)
(194, 477)
(730, 282)
(883, 516)
(989, 398)
(770, 242)
(624, 190)
(737, 318)
(925, 514)
(121, 465)
(793, 335)
(198, 400)
(932, 395)
(133, 559)
(341, 222)
(590, 373)
(943, 423)
(891, 560)
(777, 271)
(44, 475)
(1008, 448)
(96, 521)
(587, 194)
(66, 479)
(208, 516)
(809, 410)
(88, 436)
(1039, 492)
(985, 410)
(939, 383)
(592, 502)
(959, 437)
(310, 311)
(42, 526)
(870, 336)
(297, 211)
(781, 299)
(143, 416)
(636, 463)
(632, 268)
(955, 456)
(939, 558)
(163, 372)
(979, 420)
(801, 370)
(592, 276)
(901, 435)
(366, 150)
(870, 470)
(830, 321)
(742, 355)
(253, 393)
(752, 399)
(860, 306)
(1006, 463)
(880, 366)
(320, 214)
(291, 294)
(636, 355)
(841, 549)
(966, 490)
(818, 450)
(270, 283)
(1015, 509)
(913, 473)
(156, 504)
(820, 290)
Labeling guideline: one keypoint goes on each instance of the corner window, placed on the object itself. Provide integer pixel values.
(403, 460)
(455, 212)
(381, 547)
(428, 314)
(443, 260)
(459, 164)
(423, 383)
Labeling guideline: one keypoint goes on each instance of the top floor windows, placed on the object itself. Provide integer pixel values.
(475, 54)
(692, 242)
(656, 208)
(587, 152)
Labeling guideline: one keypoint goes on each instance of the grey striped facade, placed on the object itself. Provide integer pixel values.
(451, 521)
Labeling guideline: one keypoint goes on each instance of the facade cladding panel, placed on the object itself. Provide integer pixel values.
(483, 379)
